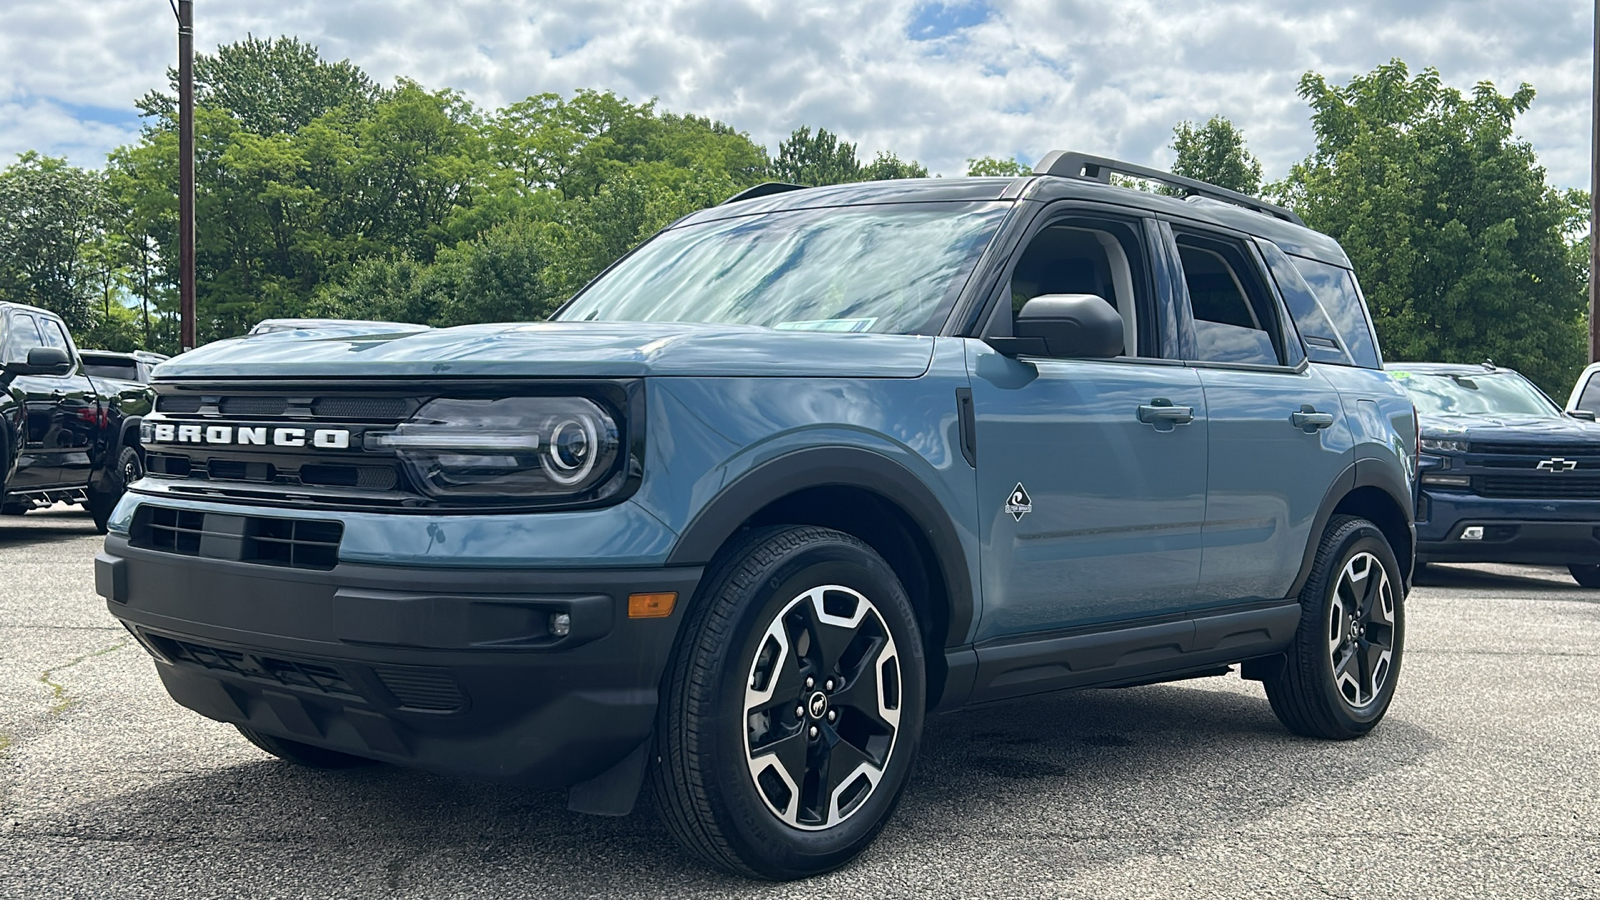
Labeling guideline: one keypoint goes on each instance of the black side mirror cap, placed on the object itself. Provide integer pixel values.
(1065, 326)
(43, 361)
(1583, 414)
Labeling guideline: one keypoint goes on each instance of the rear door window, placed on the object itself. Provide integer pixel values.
(1590, 398)
(1336, 291)
(1322, 341)
(1235, 318)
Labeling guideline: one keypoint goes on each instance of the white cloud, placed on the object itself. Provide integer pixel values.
(997, 77)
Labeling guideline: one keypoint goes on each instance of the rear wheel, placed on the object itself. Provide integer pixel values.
(302, 754)
(14, 509)
(1341, 671)
(1585, 575)
(793, 709)
(128, 469)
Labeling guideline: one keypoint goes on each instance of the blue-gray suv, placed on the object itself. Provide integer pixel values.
(798, 471)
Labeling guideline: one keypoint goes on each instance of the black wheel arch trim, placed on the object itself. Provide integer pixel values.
(1362, 473)
(851, 467)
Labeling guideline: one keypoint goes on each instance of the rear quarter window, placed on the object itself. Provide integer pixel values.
(1340, 300)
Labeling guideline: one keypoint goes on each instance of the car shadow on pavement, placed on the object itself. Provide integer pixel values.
(1517, 578)
(19, 532)
(1086, 780)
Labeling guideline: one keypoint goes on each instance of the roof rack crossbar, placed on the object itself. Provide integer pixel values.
(764, 189)
(1070, 164)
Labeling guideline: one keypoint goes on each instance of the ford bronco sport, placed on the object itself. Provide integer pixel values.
(796, 472)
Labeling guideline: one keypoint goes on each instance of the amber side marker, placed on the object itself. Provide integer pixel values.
(652, 606)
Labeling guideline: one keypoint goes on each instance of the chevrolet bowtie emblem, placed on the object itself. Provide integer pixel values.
(1557, 465)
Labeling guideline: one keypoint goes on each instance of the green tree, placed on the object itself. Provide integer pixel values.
(992, 166)
(52, 226)
(816, 159)
(269, 87)
(1461, 245)
(1215, 153)
(887, 166)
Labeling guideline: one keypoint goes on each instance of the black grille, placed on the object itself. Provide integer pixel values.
(253, 406)
(422, 689)
(296, 543)
(389, 408)
(371, 478)
(178, 404)
(1542, 451)
(1540, 486)
(291, 673)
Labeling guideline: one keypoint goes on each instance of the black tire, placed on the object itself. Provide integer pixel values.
(1307, 695)
(1585, 575)
(760, 605)
(128, 469)
(15, 509)
(303, 754)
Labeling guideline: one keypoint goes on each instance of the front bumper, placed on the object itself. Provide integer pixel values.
(452, 670)
(1526, 532)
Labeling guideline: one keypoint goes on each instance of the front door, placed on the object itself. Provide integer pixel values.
(37, 464)
(1091, 473)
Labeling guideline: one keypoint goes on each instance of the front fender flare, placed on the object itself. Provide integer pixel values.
(853, 467)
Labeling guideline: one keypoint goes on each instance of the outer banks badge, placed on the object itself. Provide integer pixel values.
(1019, 503)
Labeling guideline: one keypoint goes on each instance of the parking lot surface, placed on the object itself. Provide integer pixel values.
(1482, 782)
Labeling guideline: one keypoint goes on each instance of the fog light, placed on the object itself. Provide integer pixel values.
(1472, 533)
(561, 623)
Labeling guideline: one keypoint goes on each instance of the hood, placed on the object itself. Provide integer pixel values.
(559, 349)
(1554, 429)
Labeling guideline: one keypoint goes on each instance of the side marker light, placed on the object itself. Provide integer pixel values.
(652, 606)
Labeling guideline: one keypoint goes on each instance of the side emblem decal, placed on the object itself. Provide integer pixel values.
(1019, 503)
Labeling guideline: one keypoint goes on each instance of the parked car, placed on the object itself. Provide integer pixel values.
(1505, 475)
(799, 470)
(132, 368)
(66, 437)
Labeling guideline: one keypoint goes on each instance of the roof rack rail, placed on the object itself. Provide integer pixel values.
(764, 189)
(1069, 164)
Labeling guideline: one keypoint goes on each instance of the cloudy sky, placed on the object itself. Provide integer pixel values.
(938, 82)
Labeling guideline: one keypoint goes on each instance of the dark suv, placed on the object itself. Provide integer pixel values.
(797, 471)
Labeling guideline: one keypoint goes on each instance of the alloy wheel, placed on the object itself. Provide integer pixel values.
(822, 707)
(1361, 630)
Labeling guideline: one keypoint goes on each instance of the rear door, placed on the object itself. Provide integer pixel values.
(1277, 437)
(77, 413)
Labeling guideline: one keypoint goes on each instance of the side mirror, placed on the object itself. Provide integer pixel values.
(1065, 326)
(1583, 414)
(43, 361)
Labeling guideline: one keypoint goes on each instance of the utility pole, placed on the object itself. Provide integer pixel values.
(184, 10)
(1594, 198)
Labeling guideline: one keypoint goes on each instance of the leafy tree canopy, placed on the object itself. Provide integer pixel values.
(1460, 243)
(1215, 153)
(989, 165)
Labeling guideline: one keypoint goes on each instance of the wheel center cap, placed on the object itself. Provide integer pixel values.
(817, 705)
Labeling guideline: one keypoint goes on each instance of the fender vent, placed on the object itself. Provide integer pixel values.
(422, 689)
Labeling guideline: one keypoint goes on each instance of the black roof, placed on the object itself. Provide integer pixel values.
(1295, 239)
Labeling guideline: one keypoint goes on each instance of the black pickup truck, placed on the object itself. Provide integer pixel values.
(63, 437)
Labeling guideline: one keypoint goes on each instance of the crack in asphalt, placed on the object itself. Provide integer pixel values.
(62, 700)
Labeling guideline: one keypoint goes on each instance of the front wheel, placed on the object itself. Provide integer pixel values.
(1585, 575)
(1340, 673)
(793, 707)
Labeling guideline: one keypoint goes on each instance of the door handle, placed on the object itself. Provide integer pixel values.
(1163, 415)
(1307, 419)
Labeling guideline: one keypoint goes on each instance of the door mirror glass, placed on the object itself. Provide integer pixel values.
(1067, 326)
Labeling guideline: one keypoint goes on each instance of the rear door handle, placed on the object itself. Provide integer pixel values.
(1163, 415)
(1307, 419)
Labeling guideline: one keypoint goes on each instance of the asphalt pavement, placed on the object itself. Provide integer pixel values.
(1482, 781)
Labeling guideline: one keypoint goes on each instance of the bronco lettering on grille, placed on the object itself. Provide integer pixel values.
(245, 435)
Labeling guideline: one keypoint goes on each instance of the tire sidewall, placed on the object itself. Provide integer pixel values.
(1364, 537)
(788, 851)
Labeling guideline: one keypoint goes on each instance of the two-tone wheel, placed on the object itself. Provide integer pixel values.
(1342, 669)
(794, 708)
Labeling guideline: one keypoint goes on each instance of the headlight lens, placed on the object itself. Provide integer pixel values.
(508, 448)
(1443, 445)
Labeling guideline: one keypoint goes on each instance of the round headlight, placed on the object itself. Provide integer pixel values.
(570, 454)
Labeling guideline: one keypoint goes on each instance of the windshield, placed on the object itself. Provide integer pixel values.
(1476, 394)
(892, 269)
